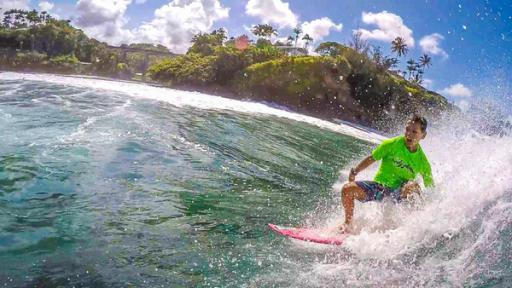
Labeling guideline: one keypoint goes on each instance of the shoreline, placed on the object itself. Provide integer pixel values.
(214, 90)
(335, 125)
(305, 85)
(87, 76)
(276, 99)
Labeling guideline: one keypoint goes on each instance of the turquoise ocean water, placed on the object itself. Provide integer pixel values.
(109, 184)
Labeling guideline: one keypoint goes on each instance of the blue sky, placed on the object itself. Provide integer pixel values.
(470, 42)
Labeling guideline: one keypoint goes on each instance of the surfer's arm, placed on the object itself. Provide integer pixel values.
(360, 167)
(426, 174)
(428, 180)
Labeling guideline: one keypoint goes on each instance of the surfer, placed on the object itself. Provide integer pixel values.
(402, 160)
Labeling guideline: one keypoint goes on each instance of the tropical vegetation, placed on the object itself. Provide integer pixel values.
(35, 41)
(353, 81)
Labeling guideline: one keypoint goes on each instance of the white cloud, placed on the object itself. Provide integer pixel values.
(317, 29)
(13, 4)
(99, 12)
(272, 12)
(430, 44)
(176, 23)
(389, 26)
(457, 90)
(427, 83)
(320, 28)
(45, 6)
(173, 24)
(248, 29)
(104, 19)
(282, 39)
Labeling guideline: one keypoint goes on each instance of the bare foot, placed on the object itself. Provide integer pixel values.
(345, 228)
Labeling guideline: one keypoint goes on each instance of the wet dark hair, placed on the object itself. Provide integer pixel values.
(419, 120)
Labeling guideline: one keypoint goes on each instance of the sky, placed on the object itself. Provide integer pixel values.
(470, 42)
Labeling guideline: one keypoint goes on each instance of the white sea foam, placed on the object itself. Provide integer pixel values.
(194, 99)
(469, 172)
(473, 173)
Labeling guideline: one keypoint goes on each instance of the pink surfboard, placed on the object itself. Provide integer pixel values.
(309, 234)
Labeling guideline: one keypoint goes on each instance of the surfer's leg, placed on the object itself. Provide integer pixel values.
(349, 193)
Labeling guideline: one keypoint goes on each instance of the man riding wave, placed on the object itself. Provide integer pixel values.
(402, 160)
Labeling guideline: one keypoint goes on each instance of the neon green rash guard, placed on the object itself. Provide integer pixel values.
(399, 165)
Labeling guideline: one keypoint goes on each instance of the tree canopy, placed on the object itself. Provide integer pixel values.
(399, 47)
(330, 48)
(264, 30)
(204, 43)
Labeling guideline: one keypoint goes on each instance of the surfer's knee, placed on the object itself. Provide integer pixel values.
(348, 189)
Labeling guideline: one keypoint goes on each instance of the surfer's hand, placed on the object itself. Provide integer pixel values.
(410, 190)
(352, 175)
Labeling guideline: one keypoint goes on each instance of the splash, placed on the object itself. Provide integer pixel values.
(451, 237)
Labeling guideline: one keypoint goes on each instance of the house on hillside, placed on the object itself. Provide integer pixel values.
(293, 51)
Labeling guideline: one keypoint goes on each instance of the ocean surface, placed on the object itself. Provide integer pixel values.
(117, 184)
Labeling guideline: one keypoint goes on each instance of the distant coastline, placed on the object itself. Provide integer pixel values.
(354, 83)
(212, 89)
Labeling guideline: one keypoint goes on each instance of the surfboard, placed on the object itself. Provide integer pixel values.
(321, 236)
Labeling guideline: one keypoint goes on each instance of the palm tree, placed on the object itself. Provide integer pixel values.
(289, 40)
(387, 63)
(43, 16)
(399, 47)
(411, 67)
(297, 31)
(308, 40)
(33, 18)
(425, 61)
(264, 30)
(419, 76)
(19, 19)
(7, 22)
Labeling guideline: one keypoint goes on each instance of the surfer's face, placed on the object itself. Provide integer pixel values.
(413, 134)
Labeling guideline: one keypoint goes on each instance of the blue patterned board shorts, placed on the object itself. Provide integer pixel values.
(376, 192)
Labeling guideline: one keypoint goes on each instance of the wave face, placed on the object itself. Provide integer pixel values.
(109, 184)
